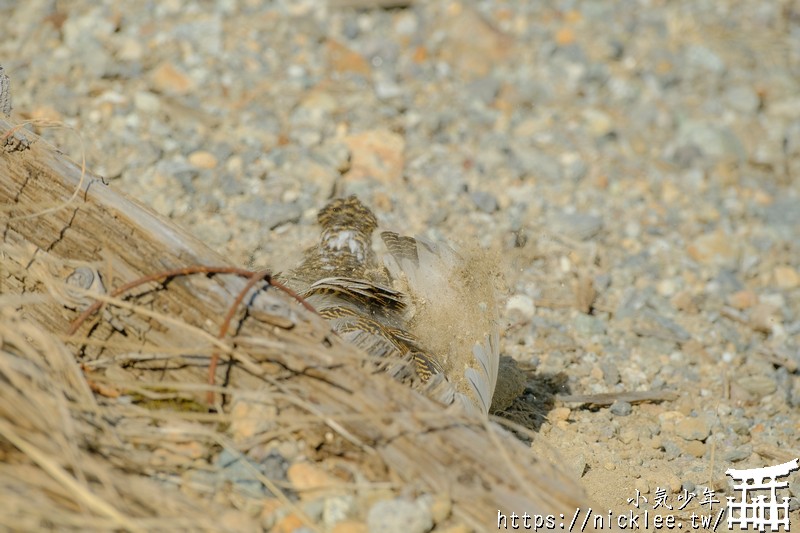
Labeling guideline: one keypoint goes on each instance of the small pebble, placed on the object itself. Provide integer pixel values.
(580, 226)
(757, 384)
(693, 428)
(621, 408)
(203, 159)
(734, 455)
(399, 516)
(521, 304)
(337, 509)
(485, 201)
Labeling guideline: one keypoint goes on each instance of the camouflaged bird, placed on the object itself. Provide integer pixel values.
(422, 303)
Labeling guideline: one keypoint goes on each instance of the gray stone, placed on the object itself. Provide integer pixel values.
(783, 212)
(485, 201)
(652, 324)
(611, 375)
(269, 215)
(580, 226)
(532, 162)
(734, 455)
(703, 58)
(712, 140)
(399, 516)
(671, 450)
(758, 385)
(483, 89)
(621, 408)
(742, 98)
(575, 170)
(336, 509)
(588, 325)
(521, 304)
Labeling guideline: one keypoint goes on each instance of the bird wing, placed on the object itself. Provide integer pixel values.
(362, 292)
(433, 276)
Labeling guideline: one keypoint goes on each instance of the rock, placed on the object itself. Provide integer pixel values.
(744, 299)
(483, 89)
(337, 509)
(671, 450)
(472, 47)
(666, 287)
(168, 79)
(611, 375)
(399, 516)
(250, 417)
(202, 159)
(758, 385)
(786, 277)
(588, 325)
(700, 57)
(376, 154)
(309, 479)
(485, 201)
(712, 140)
(574, 168)
(673, 482)
(649, 323)
(715, 248)
(146, 102)
(783, 212)
(600, 123)
(765, 317)
(580, 226)
(533, 163)
(693, 428)
(269, 216)
(786, 108)
(244, 474)
(574, 464)
(734, 455)
(742, 98)
(684, 301)
(694, 448)
(522, 305)
(343, 60)
(621, 408)
(627, 436)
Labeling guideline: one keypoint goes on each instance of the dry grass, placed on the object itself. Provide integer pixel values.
(72, 461)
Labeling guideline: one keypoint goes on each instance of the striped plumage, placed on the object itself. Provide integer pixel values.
(421, 304)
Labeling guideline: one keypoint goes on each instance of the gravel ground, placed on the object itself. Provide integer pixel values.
(633, 164)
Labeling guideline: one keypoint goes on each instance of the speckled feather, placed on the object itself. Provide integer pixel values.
(342, 279)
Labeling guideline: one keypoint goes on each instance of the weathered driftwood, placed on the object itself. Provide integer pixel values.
(58, 223)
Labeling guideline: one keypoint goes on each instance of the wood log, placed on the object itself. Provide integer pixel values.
(58, 221)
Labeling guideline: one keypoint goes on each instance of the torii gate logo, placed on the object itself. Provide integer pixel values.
(754, 509)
